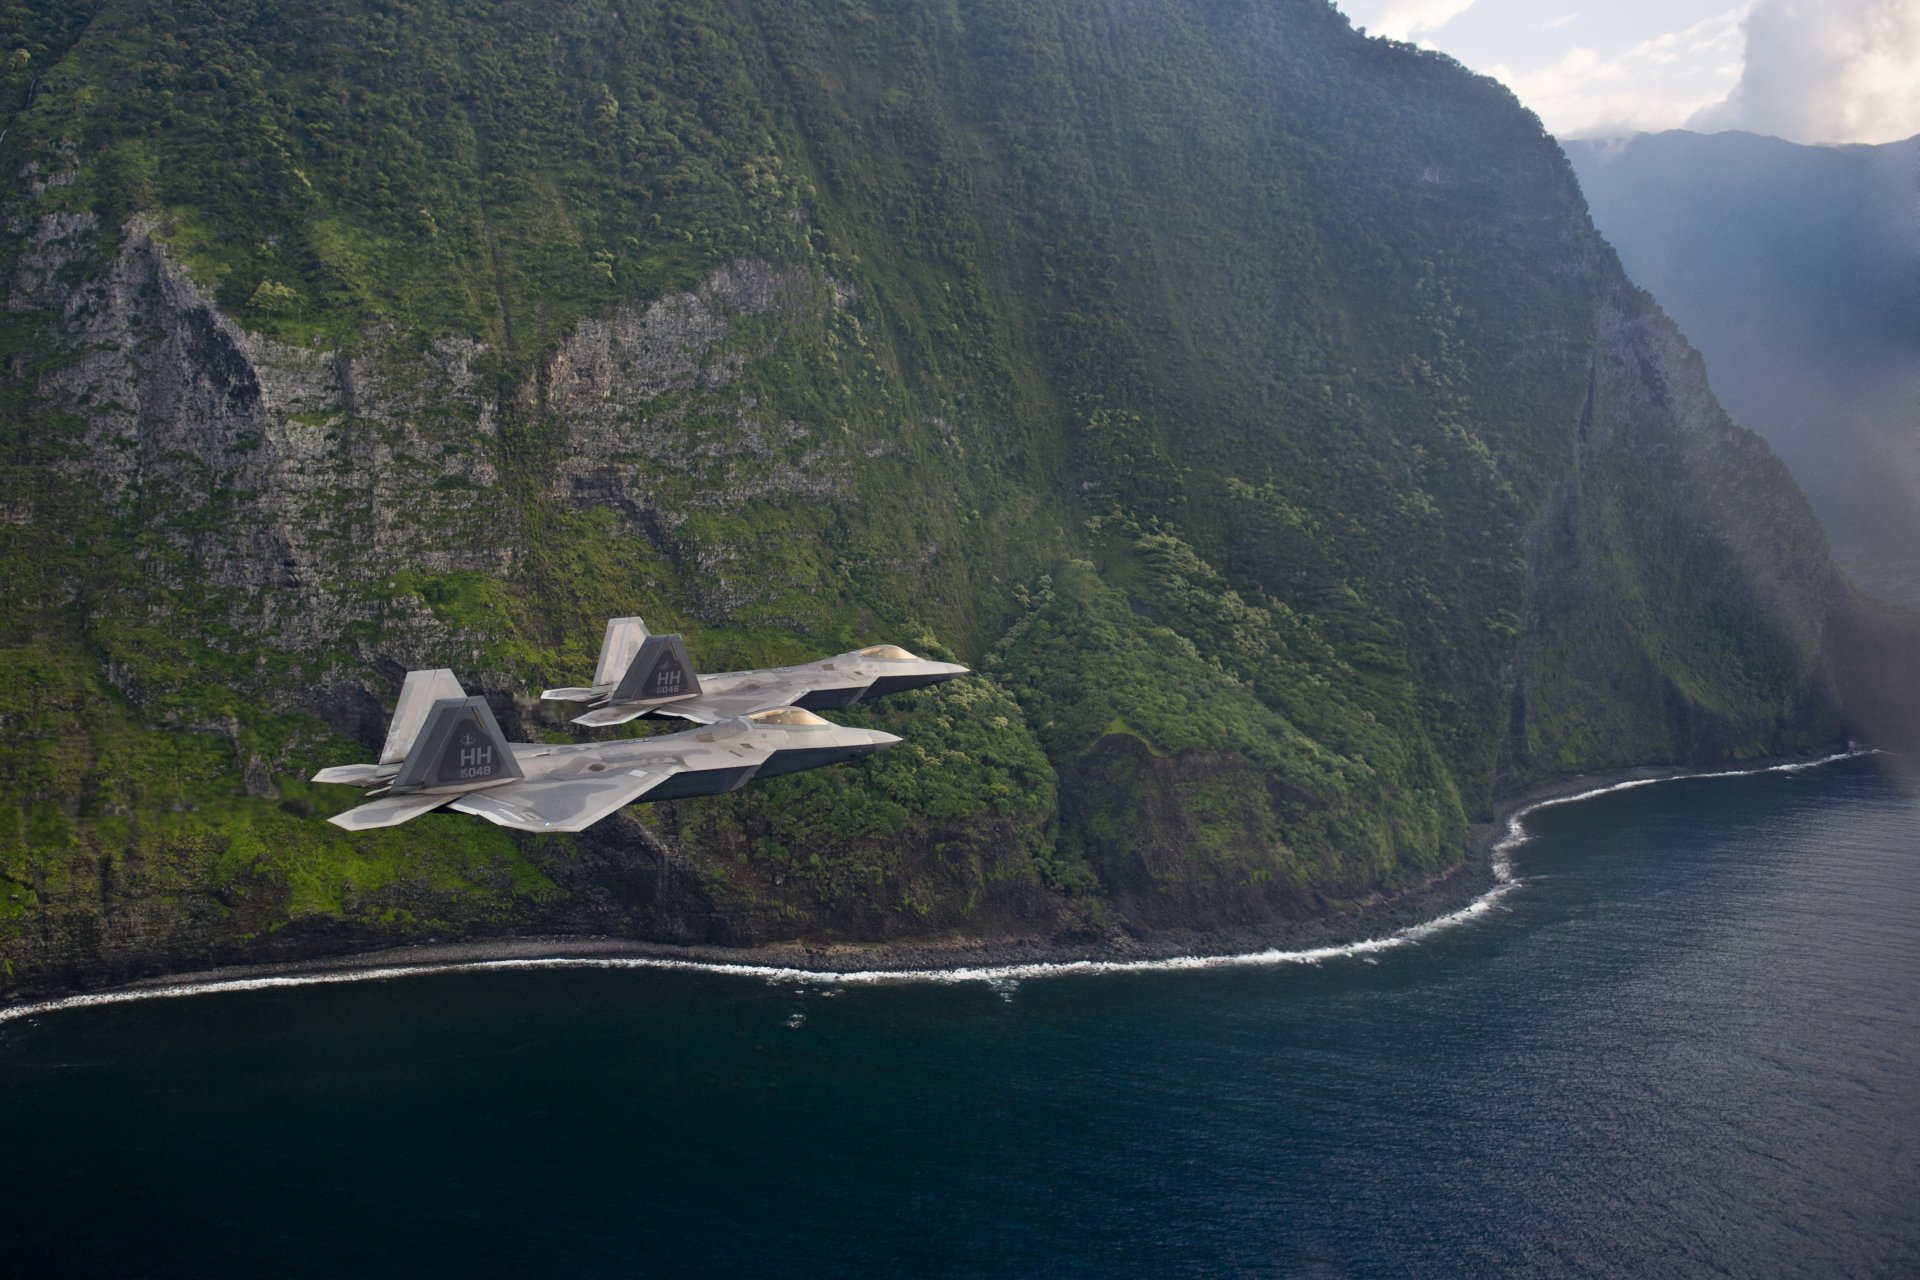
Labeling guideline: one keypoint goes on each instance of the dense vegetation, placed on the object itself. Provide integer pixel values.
(1196, 369)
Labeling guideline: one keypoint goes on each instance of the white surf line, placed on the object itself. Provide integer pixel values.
(1501, 852)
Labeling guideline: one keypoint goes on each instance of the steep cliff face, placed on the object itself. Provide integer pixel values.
(653, 420)
(1251, 403)
(1792, 268)
(239, 508)
(1670, 525)
(258, 469)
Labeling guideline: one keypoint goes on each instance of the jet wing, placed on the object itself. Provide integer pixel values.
(388, 811)
(712, 708)
(562, 804)
(708, 708)
(619, 713)
(741, 693)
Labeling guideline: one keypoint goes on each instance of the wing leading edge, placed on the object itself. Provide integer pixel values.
(562, 804)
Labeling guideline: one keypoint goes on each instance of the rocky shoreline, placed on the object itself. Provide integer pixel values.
(1477, 874)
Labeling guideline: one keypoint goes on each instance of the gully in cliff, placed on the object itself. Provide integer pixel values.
(445, 748)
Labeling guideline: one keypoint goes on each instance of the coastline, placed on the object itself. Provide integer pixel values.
(1469, 890)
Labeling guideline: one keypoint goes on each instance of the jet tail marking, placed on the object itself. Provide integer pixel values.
(661, 669)
(460, 745)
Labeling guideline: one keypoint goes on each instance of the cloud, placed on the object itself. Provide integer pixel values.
(1405, 19)
(1554, 24)
(1826, 71)
(1657, 84)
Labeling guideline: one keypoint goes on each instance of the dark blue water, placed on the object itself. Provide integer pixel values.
(1688, 1044)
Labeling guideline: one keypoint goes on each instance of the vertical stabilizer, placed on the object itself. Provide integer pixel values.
(460, 746)
(625, 636)
(661, 669)
(417, 696)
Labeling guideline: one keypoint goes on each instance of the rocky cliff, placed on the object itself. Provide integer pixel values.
(1794, 269)
(1251, 403)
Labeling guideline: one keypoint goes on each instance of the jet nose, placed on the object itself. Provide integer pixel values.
(878, 741)
(947, 670)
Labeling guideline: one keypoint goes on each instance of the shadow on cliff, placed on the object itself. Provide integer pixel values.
(1872, 655)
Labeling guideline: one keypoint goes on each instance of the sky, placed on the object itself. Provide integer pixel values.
(1809, 71)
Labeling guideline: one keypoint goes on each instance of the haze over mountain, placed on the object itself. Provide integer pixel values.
(1254, 404)
(1796, 271)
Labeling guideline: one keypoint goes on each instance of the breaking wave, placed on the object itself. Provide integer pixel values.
(1001, 977)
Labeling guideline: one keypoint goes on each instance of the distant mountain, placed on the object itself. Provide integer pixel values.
(1796, 271)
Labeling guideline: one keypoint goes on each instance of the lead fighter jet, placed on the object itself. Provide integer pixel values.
(647, 675)
(445, 748)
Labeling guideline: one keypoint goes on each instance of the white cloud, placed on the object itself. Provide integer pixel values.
(1657, 84)
(1405, 19)
(1554, 24)
(1826, 71)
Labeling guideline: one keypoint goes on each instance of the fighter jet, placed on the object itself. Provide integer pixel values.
(445, 748)
(647, 675)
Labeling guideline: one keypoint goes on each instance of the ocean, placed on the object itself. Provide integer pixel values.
(1685, 1041)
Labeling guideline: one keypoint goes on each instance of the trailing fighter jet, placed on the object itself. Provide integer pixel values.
(445, 748)
(647, 675)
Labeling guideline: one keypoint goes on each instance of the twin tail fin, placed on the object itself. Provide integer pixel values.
(441, 743)
(621, 645)
(460, 747)
(660, 669)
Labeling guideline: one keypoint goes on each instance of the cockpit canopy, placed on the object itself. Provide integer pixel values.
(888, 653)
(785, 715)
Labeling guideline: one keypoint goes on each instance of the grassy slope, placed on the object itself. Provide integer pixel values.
(1205, 366)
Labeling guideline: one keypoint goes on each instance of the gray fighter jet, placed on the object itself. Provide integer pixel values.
(445, 748)
(647, 675)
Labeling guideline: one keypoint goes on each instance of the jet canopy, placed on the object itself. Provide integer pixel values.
(888, 653)
(786, 715)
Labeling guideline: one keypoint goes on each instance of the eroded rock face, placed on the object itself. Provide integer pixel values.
(304, 503)
(1646, 372)
(616, 363)
(274, 479)
(1615, 665)
(286, 489)
(658, 421)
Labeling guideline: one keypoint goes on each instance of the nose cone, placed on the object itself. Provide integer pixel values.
(921, 673)
(810, 747)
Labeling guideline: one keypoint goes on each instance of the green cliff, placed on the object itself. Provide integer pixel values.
(1251, 403)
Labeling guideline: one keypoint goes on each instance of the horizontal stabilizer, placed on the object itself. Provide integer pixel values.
(562, 804)
(618, 713)
(355, 775)
(569, 695)
(388, 811)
